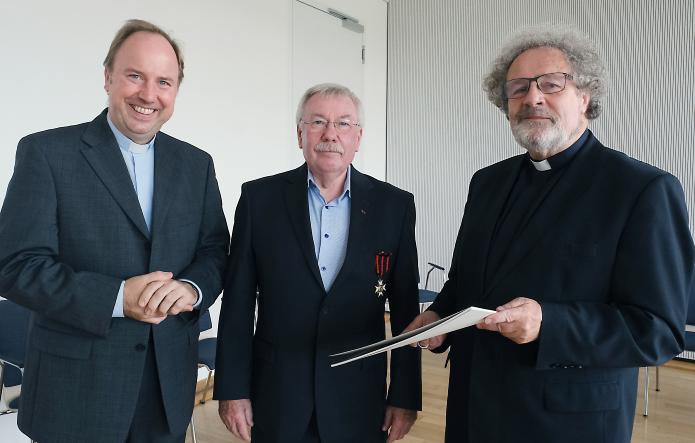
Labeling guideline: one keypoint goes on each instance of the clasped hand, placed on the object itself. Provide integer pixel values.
(150, 298)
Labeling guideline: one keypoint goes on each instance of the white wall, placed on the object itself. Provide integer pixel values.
(235, 98)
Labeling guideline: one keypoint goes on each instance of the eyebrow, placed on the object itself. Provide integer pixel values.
(344, 116)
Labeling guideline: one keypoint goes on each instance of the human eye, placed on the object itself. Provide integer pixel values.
(164, 83)
(134, 76)
(516, 88)
(318, 123)
(343, 125)
(551, 83)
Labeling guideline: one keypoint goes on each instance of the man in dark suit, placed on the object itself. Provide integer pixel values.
(113, 234)
(321, 248)
(584, 252)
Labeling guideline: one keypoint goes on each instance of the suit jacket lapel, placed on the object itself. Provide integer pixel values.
(104, 156)
(358, 234)
(167, 179)
(550, 211)
(297, 205)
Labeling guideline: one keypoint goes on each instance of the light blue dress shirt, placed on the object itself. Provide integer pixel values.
(139, 160)
(330, 224)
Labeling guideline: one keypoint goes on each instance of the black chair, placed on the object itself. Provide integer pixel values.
(14, 328)
(688, 353)
(206, 358)
(427, 296)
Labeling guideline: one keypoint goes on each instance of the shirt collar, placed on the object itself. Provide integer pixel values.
(560, 159)
(311, 182)
(127, 144)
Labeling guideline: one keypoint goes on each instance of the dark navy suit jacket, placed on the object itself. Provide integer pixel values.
(71, 229)
(285, 368)
(609, 256)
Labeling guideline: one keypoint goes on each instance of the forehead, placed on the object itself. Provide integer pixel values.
(538, 61)
(330, 105)
(147, 48)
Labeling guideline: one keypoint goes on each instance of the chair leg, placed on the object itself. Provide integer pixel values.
(646, 391)
(193, 436)
(207, 386)
(657, 379)
(2, 378)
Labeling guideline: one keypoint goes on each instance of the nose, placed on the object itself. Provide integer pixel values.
(329, 134)
(148, 92)
(534, 95)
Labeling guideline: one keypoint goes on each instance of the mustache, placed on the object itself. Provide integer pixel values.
(329, 147)
(534, 112)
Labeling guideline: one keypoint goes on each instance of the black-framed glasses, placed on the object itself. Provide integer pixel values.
(319, 125)
(547, 83)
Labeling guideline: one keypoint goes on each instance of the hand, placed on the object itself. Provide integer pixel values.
(237, 416)
(519, 320)
(425, 319)
(167, 298)
(132, 290)
(398, 422)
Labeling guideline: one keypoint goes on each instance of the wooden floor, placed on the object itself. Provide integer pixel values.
(671, 411)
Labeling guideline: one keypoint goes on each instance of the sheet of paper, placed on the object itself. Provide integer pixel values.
(462, 319)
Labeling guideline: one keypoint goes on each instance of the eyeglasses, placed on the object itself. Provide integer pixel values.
(319, 125)
(547, 84)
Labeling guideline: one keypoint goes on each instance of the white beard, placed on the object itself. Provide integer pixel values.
(538, 138)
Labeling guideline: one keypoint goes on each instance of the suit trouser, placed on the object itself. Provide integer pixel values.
(149, 423)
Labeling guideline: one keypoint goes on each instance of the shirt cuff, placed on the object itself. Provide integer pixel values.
(118, 307)
(198, 292)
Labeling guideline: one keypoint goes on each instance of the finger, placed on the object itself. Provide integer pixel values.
(248, 412)
(388, 418)
(169, 301)
(153, 320)
(517, 302)
(179, 306)
(158, 296)
(437, 341)
(158, 276)
(243, 429)
(147, 293)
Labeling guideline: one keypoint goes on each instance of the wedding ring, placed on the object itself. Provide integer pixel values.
(421, 346)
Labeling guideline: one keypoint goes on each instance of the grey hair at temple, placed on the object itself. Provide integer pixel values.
(328, 89)
(589, 71)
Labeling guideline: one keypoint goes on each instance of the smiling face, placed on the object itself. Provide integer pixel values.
(142, 85)
(326, 151)
(546, 124)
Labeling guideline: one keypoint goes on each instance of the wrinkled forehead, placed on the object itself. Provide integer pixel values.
(538, 61)
(330, 105)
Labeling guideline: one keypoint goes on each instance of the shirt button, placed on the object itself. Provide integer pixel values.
(323, 268)
(326, 235)
(140, 347)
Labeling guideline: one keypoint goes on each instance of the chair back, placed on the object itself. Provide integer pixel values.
(690, 325)
(205, 321)
(14, 328)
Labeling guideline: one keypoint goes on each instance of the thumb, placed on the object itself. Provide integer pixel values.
(388, 419)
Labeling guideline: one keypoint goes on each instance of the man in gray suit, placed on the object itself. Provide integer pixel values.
(113, 234)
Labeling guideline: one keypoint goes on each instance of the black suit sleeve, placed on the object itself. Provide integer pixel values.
(405, 389)
(206, 269)
(31, 273)
(643, 322)
(235, 333)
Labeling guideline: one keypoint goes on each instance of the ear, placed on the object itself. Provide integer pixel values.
(359, 139)
(585, 98)
(299, 136)
(107, 80)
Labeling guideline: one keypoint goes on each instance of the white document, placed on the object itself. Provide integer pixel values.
(462, 319)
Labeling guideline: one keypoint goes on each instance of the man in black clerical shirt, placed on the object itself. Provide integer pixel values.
(584, 252)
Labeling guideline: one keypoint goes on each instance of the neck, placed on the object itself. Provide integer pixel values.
(542, 154)
(330, 184)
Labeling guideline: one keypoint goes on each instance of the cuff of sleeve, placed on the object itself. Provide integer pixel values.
(198, 292)
(118, 307)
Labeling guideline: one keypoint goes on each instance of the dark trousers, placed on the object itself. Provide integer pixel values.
(149, 423)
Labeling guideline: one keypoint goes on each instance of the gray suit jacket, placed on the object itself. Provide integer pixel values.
(71, 229)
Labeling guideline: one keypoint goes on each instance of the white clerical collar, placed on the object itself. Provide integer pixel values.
(543, 165)
(138, 149)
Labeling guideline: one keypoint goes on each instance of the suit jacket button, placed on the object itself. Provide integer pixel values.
(140, 347)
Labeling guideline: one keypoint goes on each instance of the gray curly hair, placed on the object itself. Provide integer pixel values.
(588, 69)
